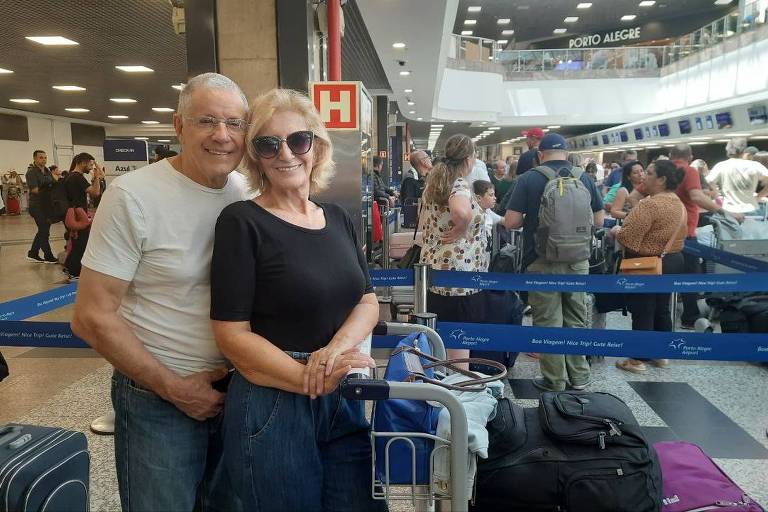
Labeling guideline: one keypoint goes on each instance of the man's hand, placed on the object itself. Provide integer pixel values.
(194, 396)
(738, 216)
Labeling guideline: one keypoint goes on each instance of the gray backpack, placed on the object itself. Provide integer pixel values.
(565, 218)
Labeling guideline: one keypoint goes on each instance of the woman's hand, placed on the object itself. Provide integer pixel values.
(614, 231)
(454, 234)
(327, 366)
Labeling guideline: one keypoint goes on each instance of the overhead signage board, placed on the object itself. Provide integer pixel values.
(338, 104)
(124, 155)
(616, 37)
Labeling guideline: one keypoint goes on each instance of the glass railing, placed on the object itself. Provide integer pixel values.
(630, 61)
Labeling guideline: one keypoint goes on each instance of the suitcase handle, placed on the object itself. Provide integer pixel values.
(9, 432)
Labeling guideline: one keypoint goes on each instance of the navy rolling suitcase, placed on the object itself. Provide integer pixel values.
(43, 469)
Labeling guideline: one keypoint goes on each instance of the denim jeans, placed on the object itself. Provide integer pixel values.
(41, 240)
(289, 453)
(166, 461)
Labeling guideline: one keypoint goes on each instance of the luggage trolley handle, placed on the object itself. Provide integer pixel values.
(403, 329)
(378, 389)
(476, 382)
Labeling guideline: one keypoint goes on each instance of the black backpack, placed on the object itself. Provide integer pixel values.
(578, 452)
(55, 202)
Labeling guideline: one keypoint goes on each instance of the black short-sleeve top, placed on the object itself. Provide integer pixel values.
(296, 286)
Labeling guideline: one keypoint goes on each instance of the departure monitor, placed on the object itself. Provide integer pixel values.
(758, 114)
(624, 137)
(724, 120)
(605, 139)
(664, 130)
(685, 126)
(638, 133)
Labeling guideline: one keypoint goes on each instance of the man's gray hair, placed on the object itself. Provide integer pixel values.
(207, 81)
(735, 147)
(681, 151)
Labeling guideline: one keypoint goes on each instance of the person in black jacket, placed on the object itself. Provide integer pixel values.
(39, 180)
(380, 190)
(412, 188)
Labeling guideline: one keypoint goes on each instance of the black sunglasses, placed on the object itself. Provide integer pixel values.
(268, 146)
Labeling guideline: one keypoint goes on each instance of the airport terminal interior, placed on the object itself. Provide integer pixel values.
(612, 77)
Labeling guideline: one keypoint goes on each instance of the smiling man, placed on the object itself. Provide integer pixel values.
(143, 303)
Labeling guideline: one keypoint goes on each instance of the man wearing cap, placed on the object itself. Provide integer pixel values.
(552, 309)
(530, 158)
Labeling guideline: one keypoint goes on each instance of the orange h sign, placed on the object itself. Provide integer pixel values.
(337, 103)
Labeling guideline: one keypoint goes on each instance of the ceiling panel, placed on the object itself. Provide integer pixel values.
(110, 33)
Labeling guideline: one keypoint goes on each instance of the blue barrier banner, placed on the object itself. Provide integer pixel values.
(15, 333)
(39, 303)
(611, 283)
(726, 258)
(393, 277)
(599, 342)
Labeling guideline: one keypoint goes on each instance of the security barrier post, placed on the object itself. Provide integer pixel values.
(420, 286)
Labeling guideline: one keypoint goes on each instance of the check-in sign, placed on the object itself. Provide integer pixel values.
(338, 104)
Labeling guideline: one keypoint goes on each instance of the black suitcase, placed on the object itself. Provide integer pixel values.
(578, 452)
(43, 469)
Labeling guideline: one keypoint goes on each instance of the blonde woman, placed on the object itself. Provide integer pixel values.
(291, 300)
(453, 226)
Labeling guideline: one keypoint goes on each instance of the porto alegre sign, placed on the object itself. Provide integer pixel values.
(617, 36)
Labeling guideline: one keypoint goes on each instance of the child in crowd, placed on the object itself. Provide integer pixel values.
(486, 198)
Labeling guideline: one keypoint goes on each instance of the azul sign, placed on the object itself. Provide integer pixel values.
(617, 36)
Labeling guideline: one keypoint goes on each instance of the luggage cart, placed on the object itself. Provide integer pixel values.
(422, 496)
(754, 245)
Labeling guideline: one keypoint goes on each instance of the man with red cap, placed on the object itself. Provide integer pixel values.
(530, 158)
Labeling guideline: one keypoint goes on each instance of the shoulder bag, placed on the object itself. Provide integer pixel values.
(650, 265)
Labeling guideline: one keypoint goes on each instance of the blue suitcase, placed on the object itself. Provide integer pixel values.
(43, 469)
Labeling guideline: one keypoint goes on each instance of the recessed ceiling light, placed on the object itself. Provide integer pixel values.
(628, 17)
(150, 122)
(466, 32)
(474, 8)
(77, 110)
(411, 111)
(122, 100)
(571, 19)
(162, 109)
(410, 103)
(454, 121)
(647, 3)
(405, 73)
(419, 118)
(141, 138)
(697, 143)
(722, 2)
(407, 91)
(178, 87)
(135, 69)
(584, 5)
(502, 41)
(24, 100)
(508, 32)
(53, 41)
(503, 21)
(398, 46)
(163, 140)
(560, 30)
(554, 127)
(470, 22)
(118, 117)
(68, 88)
(4, 71)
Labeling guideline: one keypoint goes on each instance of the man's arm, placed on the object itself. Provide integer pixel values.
(94, 190)
(512, 219)
(700, 198)
(97, 321)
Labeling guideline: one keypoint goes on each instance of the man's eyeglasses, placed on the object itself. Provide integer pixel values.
(268, 146)
(209, 124)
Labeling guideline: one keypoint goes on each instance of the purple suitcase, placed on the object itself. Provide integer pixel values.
(693, 482)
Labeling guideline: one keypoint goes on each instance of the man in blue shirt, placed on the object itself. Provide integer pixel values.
(530, 158)
(552, 309)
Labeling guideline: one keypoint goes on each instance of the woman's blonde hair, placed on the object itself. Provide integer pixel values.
(287, 100)
(442, 176)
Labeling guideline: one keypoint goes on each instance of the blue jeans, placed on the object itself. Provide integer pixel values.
(166, 461)
(288, 453)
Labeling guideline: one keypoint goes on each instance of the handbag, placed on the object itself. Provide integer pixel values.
(650, 265)
(413, 255)
(76, 219)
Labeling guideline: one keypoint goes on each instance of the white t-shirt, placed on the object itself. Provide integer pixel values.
(155, 228)
(737, 180)
(479, 173)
